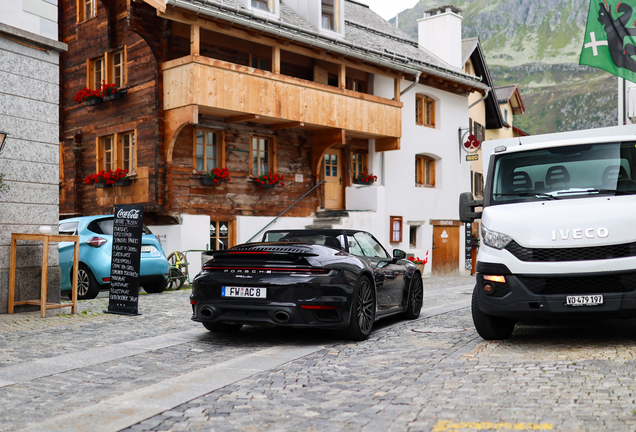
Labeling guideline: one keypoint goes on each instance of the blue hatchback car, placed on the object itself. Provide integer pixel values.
(96, 245)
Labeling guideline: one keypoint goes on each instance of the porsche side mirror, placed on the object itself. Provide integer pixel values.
(398, 254)
(467, 205)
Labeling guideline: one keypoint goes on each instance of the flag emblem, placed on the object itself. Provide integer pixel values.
(610, 38)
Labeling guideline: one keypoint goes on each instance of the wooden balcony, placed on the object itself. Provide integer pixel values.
(232, 91)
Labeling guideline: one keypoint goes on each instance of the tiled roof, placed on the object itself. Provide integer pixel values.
(367, 36)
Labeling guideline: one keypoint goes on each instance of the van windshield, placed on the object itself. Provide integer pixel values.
(567, 172)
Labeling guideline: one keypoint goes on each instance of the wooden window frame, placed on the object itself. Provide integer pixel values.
(365, 163)
(107, 67)
(220, 149)
(334, 15)
(271, 153)
(421, 170)
(356, 85)
(425, 110)
(117, 151)
(260, 58)
(81, 10)
(396, 228)
(230, 234)
(478, 184)
(270, 5)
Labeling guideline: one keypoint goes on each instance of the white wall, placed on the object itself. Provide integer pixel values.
(192, 234)
(35, 16)
(248, 226)
(402, 197)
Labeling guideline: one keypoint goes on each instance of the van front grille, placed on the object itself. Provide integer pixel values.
(571, 254)
(611, 283)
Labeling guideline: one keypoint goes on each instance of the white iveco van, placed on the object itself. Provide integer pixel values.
(558, 232)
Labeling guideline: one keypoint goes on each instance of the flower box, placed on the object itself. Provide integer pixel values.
(361, 182)
(113, 96)
(93, 101)
(263, 186)
(268, 180)
(102, 185)
(123, 182)
(206, 181)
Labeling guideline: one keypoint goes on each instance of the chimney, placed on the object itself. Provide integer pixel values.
(440, 32)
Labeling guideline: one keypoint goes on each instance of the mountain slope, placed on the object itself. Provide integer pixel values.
(536, 44)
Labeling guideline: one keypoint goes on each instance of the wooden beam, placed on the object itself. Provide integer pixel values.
(342, 76)
(287, 125)
(157, 4)
(322, 140)
(195, 32)
(276, 59)
(241, 118)
(397, 87)
(175, 120)
(386, 144)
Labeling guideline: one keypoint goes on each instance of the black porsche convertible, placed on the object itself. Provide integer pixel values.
(327, 278)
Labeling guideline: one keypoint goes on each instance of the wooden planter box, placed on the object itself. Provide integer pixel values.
(363, 183)
(113, 96)
(205, 181)
(102, 185)
(93, 101)
(123, 182)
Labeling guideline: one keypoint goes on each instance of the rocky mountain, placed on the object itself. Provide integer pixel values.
(536, 44)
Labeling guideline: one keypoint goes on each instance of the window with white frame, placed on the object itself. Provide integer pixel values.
(329, 18)
(117, 151)
(396, 229)
(86, 9)
(208, 150)
(262, 155)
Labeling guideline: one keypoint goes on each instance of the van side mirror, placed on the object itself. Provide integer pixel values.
(467, 205)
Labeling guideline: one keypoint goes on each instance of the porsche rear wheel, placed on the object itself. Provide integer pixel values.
(220, 327)
(363, 311)
(416, 298)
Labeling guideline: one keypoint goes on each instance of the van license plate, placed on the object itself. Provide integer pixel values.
(584, 300)
(250, 292)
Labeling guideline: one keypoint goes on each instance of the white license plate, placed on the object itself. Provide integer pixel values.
(250, 292)
(584, 300)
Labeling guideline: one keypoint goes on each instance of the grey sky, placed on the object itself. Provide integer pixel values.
(387, 9)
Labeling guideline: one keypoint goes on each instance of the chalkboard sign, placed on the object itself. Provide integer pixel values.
(126, 257)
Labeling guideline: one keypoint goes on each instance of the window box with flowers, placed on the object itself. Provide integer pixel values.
(108, 178)
(420, 263)
(216, 177)
(268, 180)
(110, 92)
(88, 96)
(365, 178)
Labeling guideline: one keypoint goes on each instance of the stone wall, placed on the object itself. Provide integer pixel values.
(29, 112)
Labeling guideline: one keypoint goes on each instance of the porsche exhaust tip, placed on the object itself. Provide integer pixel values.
(206, 312)
(281, 316)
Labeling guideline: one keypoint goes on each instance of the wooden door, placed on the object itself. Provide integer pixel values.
(334, 188)
(445, 250)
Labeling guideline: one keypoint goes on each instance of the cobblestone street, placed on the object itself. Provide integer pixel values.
(162, 372)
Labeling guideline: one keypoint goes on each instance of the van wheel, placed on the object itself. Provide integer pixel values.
(490, 327)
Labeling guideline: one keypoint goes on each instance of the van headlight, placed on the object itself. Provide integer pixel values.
(494, 239)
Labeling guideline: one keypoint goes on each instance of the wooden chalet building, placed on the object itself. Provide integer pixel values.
(307, 89)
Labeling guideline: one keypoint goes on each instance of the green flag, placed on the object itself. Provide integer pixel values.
(610, 38)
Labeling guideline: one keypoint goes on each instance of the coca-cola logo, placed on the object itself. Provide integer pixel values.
(128, 214)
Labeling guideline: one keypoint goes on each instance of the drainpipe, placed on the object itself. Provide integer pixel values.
(413, 84)
(484, 97)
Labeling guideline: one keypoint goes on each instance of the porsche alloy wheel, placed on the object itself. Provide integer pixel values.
(416, 298)
(363, 311)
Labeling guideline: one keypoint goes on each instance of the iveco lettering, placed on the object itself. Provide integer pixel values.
(558, 237)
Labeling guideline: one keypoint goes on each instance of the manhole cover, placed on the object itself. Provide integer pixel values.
(438, 330)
